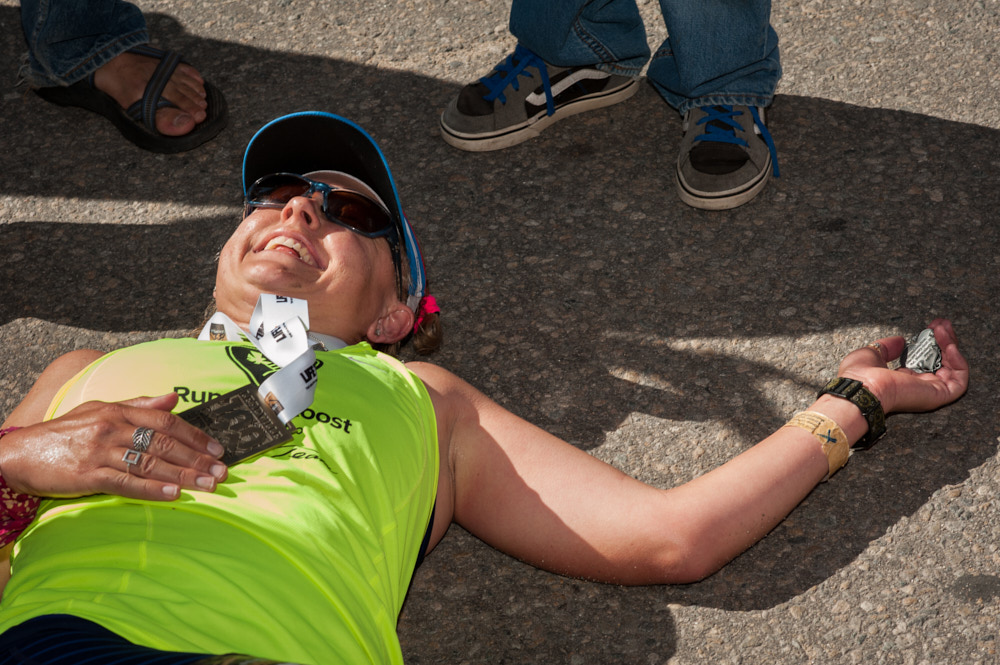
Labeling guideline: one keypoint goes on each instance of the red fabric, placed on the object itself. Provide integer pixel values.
(16, 510)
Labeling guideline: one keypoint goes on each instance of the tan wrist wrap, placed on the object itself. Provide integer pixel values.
(834, 442)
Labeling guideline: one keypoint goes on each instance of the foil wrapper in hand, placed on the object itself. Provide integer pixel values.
(922, 354)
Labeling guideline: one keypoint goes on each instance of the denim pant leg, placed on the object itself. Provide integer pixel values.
(716, 52)
(69, 39)
(606, 34)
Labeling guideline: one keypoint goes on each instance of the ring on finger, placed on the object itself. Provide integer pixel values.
(141, 438)
(131, 458)
(876, 347)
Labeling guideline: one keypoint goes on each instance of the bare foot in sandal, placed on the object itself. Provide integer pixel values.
(156, 100)
(125, 77)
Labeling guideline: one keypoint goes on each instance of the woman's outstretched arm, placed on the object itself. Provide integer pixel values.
(550, 504)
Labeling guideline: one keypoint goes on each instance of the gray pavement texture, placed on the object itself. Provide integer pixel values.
(580, 293)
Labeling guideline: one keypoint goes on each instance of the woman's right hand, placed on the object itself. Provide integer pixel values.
(82, 452)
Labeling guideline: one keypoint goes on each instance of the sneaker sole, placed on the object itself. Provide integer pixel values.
(532, 127)
(723, 200)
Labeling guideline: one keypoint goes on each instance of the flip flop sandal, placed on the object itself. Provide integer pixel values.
(138, 122)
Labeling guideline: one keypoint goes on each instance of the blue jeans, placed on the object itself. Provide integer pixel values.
(70, 39)
(716, 52)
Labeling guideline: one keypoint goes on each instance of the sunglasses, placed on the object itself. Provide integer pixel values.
(347, 208)
(344, 207)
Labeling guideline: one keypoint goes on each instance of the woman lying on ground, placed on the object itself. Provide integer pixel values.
(303, 551)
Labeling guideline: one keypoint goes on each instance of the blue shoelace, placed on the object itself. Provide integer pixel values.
(721, 127)
(506, 75)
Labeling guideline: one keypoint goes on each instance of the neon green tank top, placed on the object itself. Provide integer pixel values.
(304, 554)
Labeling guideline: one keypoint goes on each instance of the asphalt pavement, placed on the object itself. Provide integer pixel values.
(579, 292)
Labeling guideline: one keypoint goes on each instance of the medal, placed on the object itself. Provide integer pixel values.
(251, 419)
(241, 421)
(922, 354)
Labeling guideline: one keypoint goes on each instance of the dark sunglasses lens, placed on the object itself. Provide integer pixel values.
(357, 212)
(276, 189)
(341, 207)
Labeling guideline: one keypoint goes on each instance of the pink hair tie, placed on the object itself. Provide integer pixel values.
(428, 305)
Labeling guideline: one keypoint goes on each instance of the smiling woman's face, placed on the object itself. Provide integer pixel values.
(296, 251)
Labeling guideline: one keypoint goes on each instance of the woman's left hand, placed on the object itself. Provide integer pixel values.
(903, 389)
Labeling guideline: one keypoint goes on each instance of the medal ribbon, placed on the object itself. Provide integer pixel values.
(280, 330)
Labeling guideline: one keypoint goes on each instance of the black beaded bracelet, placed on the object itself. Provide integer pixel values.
(853, 391)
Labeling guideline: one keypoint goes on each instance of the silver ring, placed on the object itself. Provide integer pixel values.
(131, 458)
(141, 438)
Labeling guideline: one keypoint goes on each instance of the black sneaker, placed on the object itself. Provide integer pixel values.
(726, 156)
(522, 96)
